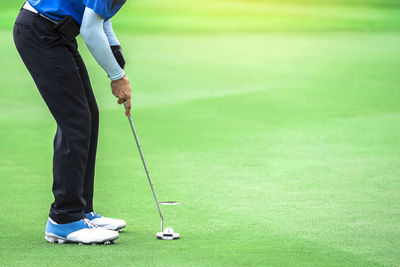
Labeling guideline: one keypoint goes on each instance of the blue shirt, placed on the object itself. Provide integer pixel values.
(58, 9)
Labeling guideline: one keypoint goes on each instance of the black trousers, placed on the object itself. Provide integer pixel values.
(63, 82)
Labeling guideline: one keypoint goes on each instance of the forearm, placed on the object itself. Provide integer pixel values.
(114, 43)
(92, 31)
(108, 30)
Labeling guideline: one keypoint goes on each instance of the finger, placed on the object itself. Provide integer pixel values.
(128, 107)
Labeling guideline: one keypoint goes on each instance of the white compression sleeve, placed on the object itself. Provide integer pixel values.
(92, 31)
(108, 30)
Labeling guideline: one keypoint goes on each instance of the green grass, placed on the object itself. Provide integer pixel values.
(240, 16)
(283, 145)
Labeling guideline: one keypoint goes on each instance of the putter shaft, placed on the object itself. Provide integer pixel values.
(145, 168)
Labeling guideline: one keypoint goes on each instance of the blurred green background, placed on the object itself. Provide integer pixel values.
(252, 16)
(275, 123)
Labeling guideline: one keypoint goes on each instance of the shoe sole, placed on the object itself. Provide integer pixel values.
(120, 229)
(55, 239)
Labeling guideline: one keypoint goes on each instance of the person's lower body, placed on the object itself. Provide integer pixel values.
(61, 77)
(63, 82)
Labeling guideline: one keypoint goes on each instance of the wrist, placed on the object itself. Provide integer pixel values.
(118, 76)
(122, 79)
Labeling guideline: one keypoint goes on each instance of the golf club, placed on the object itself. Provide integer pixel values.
(167, 233)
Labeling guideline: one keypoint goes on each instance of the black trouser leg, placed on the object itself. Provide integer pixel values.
(88, 183)
(62, 80)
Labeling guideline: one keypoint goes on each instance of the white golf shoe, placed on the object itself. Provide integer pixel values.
(105, 222)
(82, 232)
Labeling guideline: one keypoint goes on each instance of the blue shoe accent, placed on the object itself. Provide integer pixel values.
(92, 215)
(62, 230)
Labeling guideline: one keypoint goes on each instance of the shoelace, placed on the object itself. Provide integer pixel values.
(89, 223)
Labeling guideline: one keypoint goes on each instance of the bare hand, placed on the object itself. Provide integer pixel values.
(122, 90)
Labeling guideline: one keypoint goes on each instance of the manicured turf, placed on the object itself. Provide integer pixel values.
(283, 146)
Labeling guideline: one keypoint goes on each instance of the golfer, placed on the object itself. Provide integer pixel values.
(44, 34)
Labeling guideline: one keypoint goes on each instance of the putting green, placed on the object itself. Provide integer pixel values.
(283, 146)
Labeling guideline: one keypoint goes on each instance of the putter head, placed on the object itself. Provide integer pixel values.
(167, 234)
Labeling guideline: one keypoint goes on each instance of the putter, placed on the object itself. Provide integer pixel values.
(167, 233)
